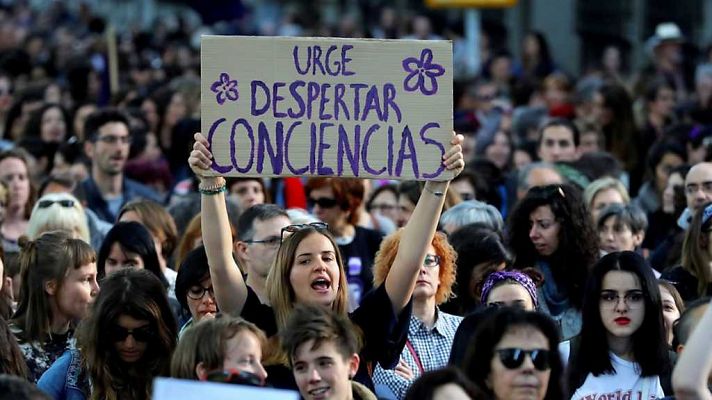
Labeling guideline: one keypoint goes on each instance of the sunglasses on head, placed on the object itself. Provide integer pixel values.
(142, 334)
(48, 203)
(513, 358)
(323, 202)
(319, 226)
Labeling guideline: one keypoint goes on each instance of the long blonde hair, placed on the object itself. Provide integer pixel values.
(279, 289)
(281, 294)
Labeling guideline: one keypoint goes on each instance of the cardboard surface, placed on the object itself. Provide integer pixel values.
(276, 106)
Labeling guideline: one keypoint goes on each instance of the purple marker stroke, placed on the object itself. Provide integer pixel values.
(422, 73)
(224, 88)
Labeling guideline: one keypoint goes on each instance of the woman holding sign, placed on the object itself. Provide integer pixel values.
(308, 269)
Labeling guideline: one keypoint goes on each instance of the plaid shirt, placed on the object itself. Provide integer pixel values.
(432, 347)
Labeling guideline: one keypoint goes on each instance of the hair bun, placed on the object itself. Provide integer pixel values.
(25, 242)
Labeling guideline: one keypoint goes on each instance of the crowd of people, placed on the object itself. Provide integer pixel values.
(568, 257)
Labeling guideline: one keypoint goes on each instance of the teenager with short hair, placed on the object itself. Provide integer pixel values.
(322, 348)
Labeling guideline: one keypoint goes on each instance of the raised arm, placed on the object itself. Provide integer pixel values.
(228, 284)
(419, 232)
(693, 369)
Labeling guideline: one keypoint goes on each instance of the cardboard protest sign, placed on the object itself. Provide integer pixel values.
(276, 106)
(172, 389)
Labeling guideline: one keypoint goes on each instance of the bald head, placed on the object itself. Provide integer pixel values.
(698, 185)
(540, 174)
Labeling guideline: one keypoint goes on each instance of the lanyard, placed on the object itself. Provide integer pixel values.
(415, 356)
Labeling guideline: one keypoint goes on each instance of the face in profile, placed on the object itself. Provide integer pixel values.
(520, 367)
(544, 230)
(77, 292)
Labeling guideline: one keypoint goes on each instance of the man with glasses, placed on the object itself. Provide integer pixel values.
(258, 239)
(107, 146)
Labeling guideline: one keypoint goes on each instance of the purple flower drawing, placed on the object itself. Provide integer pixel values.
(422, 73)
(224, 88)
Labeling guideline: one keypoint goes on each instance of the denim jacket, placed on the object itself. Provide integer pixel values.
(66, 379)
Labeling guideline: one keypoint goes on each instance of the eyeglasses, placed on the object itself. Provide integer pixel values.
(272, 241)
(319, 226)
(235, 376)
(383, 207)
(143, 334)
(431, 261)
(111, 139)
(48, 203)
(692, 188)
(197, 292)
(513, 358)
(634, 299)
(323, 202)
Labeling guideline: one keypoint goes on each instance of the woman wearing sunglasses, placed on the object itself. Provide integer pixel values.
(125, 343)
(308, 269)
(58, 287)
(514, 355)
(430, 331)
(622, 350)
(223, 349)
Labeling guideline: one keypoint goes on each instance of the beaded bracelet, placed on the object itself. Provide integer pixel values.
(210, 192)
(216, 188)
(439, 194)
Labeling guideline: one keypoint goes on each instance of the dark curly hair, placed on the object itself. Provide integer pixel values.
(578, 242)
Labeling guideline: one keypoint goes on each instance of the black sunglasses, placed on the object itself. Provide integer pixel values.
(235, 376)
(319, 226)
(48, 203)
(513, 358)
(143, 334)
(323, 202)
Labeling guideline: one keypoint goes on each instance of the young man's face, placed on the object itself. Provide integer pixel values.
(323, 373)
(110, 150)
(557, 144)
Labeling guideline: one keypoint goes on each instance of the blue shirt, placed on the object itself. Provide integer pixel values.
(430, 346)
(131, 190)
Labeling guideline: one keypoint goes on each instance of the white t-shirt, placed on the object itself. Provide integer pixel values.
(626, 384)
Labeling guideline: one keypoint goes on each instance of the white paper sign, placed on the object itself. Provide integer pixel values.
(174, 389)
(277, 106)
